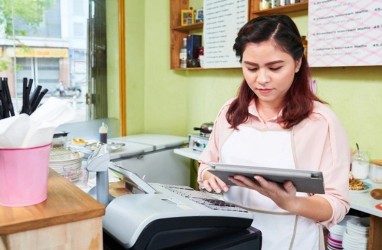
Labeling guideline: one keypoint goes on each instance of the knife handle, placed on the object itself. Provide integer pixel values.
(3, 99)
(38, 100)
(8, 96)
(35, 95)
(26, 108)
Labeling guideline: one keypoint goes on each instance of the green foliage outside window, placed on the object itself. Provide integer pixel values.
(29, 11)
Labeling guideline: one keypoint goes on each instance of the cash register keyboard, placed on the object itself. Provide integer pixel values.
(200, 197)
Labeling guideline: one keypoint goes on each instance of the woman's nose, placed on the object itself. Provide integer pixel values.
(262, 77)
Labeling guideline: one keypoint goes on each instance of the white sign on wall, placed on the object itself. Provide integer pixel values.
(222, 21)
(345, 33)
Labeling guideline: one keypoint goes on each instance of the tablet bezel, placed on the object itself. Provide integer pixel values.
(307, 181)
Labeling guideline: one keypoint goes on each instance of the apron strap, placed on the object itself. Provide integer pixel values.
(321, 238)
(294, 233)
(265, 211)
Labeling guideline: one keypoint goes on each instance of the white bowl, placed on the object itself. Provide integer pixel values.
(359, 224)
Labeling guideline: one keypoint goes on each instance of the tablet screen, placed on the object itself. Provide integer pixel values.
(307, 181)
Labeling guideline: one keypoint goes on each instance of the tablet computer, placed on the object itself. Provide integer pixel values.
(307, 181)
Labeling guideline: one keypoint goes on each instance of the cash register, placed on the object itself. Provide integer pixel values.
(164, 216)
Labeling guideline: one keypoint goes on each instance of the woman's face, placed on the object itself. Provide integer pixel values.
(268, 71)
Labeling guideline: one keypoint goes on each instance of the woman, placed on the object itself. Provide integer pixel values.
(277, 121)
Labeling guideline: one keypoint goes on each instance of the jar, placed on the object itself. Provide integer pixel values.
(375, 171)
(360, 165)
(265, 4)
(183, 54)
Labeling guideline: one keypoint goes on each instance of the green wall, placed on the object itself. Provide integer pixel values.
(112, 59)
(355, 94)
(161, 100)
(134, 59)
(135, 65)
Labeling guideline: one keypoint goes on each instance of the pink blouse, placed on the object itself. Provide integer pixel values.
(319, 143)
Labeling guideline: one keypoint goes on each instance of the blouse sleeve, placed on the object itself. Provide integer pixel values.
(211, 153)
(336, 175)
(321, 143)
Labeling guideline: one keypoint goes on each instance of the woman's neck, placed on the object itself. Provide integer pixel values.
(267, 111)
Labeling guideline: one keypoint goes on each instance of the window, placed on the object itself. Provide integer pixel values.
(49, 20)
(78, 7)
(48, 41)
(79, 30)
(45, 71)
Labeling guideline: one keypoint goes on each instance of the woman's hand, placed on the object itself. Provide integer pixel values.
(283, 195)
(213, 183)
(314, 207)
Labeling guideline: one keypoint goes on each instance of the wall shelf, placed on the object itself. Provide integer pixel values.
(278, 10)
(178, 32)
(188, 28)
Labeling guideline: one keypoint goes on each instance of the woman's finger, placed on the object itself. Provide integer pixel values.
(289, 187)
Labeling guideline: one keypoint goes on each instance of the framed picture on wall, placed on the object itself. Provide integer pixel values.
(199, 16)
(187, 17)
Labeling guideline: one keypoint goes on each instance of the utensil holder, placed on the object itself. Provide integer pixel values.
(24, 175)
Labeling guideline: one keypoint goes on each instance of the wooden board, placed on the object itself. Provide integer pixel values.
(65, 203)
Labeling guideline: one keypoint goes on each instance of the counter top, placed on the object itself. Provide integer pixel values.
(188, 152)
(362, 200)
(65, 203)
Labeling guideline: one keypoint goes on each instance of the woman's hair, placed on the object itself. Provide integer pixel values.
(284, 33)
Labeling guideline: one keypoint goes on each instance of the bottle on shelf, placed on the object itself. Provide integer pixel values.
(183, 54)
(201, 56)
(103, 133)
(305, 44)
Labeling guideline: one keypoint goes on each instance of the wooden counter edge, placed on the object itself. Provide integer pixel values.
(57, 185)
(375, 232)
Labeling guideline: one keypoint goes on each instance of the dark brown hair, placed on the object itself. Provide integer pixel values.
(299, 99)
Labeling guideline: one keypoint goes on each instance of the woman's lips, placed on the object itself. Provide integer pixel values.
(264, 91)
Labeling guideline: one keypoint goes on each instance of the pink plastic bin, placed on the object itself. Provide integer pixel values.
(24, 176)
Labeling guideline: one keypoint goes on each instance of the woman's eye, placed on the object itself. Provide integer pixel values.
(252, 69)
(275, 68)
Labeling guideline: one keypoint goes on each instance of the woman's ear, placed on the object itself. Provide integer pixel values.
(298, 65)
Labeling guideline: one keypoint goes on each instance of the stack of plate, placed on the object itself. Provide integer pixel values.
(334, 244)
(356, 234)
(336, 233)
(66, 162)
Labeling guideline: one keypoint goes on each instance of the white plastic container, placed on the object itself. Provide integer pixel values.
(375, 173)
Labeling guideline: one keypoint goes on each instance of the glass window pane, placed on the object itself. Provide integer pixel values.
(46, 40)
(55, 43)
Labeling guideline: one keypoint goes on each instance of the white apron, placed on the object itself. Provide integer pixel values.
(271, 148)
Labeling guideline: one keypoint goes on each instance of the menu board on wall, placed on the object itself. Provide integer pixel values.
(222, 21)
(345, 33)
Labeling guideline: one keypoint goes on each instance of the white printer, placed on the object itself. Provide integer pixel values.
(165, 216)
(168, 216)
